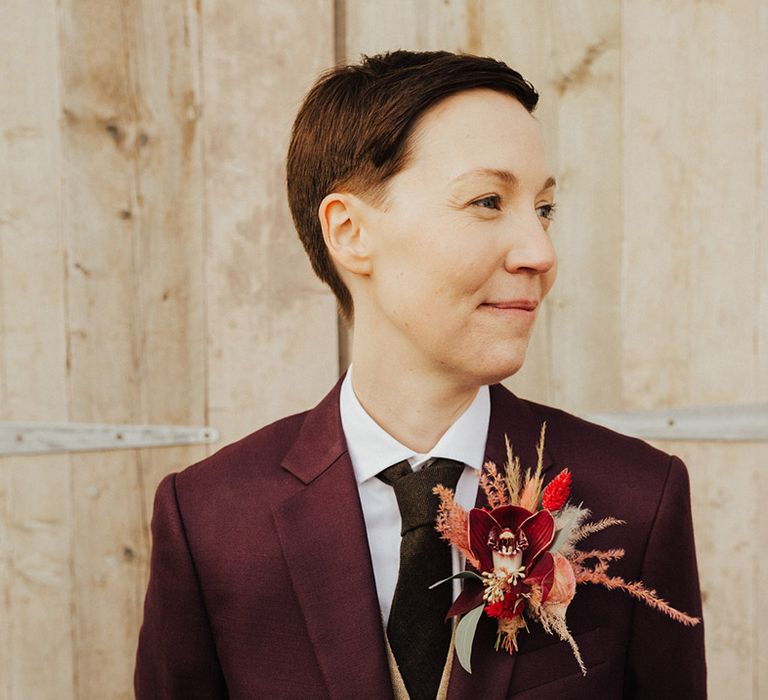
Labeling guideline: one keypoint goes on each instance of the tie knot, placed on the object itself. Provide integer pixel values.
(413, 490)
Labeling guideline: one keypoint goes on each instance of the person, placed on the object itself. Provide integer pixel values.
(285, 565)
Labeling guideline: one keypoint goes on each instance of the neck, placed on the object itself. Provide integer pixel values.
(414, 403)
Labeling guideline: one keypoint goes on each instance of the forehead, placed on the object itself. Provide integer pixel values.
(477, 129)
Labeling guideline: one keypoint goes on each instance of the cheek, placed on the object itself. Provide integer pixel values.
(460, 281)
(430, 264)
(467, 264)
(439, 266)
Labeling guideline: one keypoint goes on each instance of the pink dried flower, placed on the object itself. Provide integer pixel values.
(564, 587)
(453, 523)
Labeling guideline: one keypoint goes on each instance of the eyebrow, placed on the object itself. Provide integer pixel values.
(506, 176)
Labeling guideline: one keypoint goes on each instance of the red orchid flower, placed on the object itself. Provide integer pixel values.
(511, 544)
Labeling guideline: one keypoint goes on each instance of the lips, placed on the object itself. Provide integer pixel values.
(523, 304)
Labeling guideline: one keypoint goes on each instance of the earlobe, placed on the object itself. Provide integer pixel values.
(344, 232)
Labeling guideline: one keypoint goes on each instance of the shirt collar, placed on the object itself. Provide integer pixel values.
(371, 448)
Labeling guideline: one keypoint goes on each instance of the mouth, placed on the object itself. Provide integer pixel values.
(528, 305)
(523, 309)
(522, 304)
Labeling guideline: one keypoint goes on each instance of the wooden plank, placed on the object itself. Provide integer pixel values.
(585, 335)
(692, 252)
(729, 516)
(35, 515)
(428, 25)
(100, 189)
(135, 289)
(272, 325)
(759, 488)
(760, 349)
(690, 166)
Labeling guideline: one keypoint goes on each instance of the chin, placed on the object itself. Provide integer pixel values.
(502, 374)
(493, 370)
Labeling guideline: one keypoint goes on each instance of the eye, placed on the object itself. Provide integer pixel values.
(492, 201)
(547, 211)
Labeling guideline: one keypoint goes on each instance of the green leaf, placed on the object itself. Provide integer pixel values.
(465, 635)
(463, 574)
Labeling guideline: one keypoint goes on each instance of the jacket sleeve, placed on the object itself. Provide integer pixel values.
(176, 657)
(666, 658)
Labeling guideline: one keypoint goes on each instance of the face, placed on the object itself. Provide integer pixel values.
(461, 256)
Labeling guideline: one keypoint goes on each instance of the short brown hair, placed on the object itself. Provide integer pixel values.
(352, 132)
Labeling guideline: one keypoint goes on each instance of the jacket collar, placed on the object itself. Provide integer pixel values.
(321, 439)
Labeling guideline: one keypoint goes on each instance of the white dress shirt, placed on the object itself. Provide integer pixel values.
(372, 449)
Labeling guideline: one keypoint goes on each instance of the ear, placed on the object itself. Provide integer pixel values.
(343, 222)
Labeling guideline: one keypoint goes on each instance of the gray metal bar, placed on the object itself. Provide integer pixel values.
(746, 422)
(44, 438)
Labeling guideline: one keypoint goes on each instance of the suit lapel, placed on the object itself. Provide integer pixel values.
(492, 670)
(323, 537)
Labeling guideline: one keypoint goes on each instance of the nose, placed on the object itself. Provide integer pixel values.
(529, 248)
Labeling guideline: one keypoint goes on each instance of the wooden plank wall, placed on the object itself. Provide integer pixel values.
(149, 271)
(35, 508)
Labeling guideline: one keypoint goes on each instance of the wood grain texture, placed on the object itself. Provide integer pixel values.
(35, 510)
(692, 191)
(272, 326)
(760, 348)
(693, 321)
(134, 290)
(429, 25)
(587, 93)
(759, 487)
(728, 492)
(760, 337)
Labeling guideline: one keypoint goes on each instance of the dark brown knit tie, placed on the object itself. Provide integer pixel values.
(417, 630)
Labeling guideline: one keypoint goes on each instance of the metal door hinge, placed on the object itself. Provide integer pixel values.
(44, 438)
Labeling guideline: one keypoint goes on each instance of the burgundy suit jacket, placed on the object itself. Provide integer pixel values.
(261, 583)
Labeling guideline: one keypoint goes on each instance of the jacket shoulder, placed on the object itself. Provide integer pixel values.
(257, 455)
(574, 435)
(620, 475)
